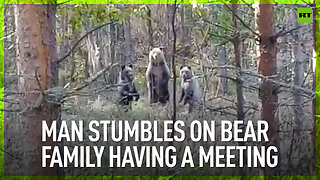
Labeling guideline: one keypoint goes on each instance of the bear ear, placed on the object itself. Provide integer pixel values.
(122, 67)
(130, 65)
(189, 67)
(181, 67)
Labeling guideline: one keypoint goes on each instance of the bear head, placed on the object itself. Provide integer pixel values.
(186, 72)
(127, 73)
(156, 56)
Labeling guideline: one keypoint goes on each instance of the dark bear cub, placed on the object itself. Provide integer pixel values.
(158, 76)
(127, 89)
(190, 91)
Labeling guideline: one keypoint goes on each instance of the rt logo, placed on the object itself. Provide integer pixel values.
(304, 15)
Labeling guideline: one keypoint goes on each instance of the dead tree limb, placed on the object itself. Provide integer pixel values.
(81, 38)
(93, 78)
(282, 32)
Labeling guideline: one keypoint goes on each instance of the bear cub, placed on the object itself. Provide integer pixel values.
(127, 89)
(157, 76)
(190, 91)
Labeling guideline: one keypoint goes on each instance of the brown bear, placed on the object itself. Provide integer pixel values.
(158, 76)
(190, 88)
(127, 89)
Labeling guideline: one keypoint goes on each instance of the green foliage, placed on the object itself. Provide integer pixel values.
(84, 16)
(76, 18)
(214, 15)
(141, 11)
(79, 75)
(200, 12)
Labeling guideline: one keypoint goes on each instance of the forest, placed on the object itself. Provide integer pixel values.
(251, 62)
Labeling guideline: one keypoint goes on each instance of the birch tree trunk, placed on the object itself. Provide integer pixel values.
(93, 49)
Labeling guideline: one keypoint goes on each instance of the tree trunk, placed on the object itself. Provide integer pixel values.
(173, 67)
(315, 28)
(71, 63)
(298, 76)
(112, 77)
(37, 54)
(237, 59)
(63, 50)
(171, 171)
(127, 41)
(237, 49)
(169, 18)
(268, 92)
(184, 33)
(120, 48)
(149, 27)
(84, 54)
(93, 48)
(223, 71)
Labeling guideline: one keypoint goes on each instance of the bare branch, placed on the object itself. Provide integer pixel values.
(224, 37)
(308, 92)
(289, 86)
(217, 25)
(242, 22)
(82, 37)
(282, 32)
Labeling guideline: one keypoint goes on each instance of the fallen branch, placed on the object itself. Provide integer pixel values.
(93, 78)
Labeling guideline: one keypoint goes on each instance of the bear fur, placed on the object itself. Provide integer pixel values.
(190, 91)
(127, 89)
(157, 76)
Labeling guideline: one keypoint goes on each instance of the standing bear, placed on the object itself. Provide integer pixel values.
(127, 89)
(158, 76)
(190, 88)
